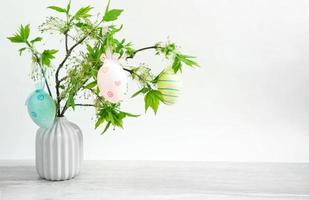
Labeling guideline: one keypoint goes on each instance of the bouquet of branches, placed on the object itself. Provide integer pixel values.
(95, 65)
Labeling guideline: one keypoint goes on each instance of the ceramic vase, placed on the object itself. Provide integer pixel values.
(59, 150)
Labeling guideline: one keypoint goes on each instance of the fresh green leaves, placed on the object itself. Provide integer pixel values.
(112, 15)
(16, 39)
(83, 13)
(177, 64)
(61, 10)
(141, 91)
(68, 7)
(152, 99)
(167, 50)
(152, 96)
(47, 56)
(58, 9)
(91, 85)
(170, 51)
(111, 115)
(37, 39)
(181, 59)
(21, 50)
(24, 32)
(187, 60)
(22, 35)
(71, 101)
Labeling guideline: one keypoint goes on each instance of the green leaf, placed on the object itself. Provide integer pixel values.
(47, 56)
(83, 12)
(68, 7)
(109, 117)
(24, 32)
(155, 80)
(177, 65)
(143, 90)
(106, 127)
(16, 39)
(91, 85)
(37, 39)
(112, 15)
(71, 102)
(110, 114)
(22, 35)
(58, 9)
(187, 60)
(152, 99)
(21, 50)
(83, 25)
(107, 6)
(130, 114)
(99, 122)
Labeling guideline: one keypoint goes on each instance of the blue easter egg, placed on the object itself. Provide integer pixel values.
(41, 108)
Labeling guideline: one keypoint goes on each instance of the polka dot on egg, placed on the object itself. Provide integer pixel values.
(34, 114)
(110, 94)
(41, 97)
(117, 83)
(105, 69)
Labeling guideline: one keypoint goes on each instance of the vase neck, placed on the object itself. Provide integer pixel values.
(60, 119)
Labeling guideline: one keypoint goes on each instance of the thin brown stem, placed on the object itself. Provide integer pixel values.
(66, 42)
(134, 73)
(61, 65)
(63, 79)
(142, 49)
(85, 105)
(66, 103)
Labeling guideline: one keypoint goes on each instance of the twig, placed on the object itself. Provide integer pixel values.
(132, 72)
(41, 68)
(69, 51)
(66, 42)
(142, 49)
(91, 90)
(66, 103)
(63, 79)
(85, 105)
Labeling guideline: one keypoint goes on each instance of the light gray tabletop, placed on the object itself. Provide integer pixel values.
(153, 180)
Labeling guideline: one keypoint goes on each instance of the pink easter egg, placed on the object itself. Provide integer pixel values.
(112, 81)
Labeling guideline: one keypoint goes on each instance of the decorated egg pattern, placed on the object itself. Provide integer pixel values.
(112, 81)
(169, 84)
(41, 108)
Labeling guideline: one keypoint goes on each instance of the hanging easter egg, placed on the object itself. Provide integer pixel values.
(112, 81)
(41, 108)
(169, 84)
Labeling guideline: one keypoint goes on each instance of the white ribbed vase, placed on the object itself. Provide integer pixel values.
(59, 150)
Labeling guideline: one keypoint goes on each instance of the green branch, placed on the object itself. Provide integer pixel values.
(38, 61)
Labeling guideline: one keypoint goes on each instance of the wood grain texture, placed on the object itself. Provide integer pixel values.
(153, 180)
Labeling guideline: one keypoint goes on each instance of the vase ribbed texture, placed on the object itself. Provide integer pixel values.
(59, 150)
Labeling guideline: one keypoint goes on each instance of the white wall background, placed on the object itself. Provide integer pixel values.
(249, 101)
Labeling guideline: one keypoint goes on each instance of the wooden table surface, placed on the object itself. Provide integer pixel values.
(154, 180)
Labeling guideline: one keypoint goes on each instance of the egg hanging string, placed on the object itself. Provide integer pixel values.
(40, 85)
